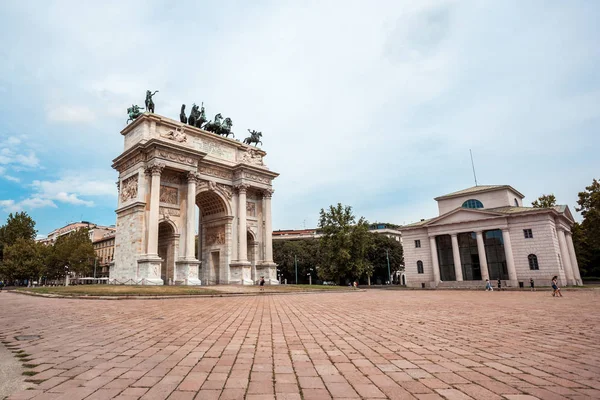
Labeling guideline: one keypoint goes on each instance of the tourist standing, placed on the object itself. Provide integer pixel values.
(499, 284)
(531, 283)
(262, 283)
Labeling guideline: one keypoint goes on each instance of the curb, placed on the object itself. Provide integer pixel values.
(181, 296)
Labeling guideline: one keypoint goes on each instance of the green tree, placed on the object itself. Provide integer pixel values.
(586, 236)
(377, 255)
(305, 251)
(24, 259)
(344, 245)
(74, 251)
(19, 225)
(544, 201)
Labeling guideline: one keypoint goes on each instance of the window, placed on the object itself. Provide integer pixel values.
(516, 203)
(472, 203)
(528, 233)
(533, 262)
(417, 243)
(419, 267)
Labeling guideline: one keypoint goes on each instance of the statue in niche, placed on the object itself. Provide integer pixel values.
(149, 101)
(254, 138)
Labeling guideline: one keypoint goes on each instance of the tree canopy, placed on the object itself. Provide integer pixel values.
(344, 245)
(18, 225)
(544, 201)
(586, 236)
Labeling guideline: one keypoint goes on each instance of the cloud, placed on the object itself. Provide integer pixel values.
(26, 204)
(70, 113)
(72, 199)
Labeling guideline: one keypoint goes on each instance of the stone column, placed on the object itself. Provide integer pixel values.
(566, 257)
(485, 274)
(242, 230)
(510, 261)
(155, 170)
(456, 256)
(434, 260)
(267, 193)
(574, 264)
(190, 216)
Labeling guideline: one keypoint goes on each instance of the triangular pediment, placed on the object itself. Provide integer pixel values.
(463, 215)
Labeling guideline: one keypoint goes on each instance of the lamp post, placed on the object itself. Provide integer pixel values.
(310, 276)
(387, 255)
(296, 267)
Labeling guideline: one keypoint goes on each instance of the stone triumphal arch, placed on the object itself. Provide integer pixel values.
(175, 177)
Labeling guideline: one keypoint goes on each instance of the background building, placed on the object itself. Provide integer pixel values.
(105, 251)
(390, 230)
(484, 232)
(96, 231)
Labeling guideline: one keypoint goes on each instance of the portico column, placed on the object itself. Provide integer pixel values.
(190, 215)
(242, 232)
(155, 170)
(456, 256)
(510, 261)
(574, 264)
(267, 193)
(485, 274)
(434, 260)
(566, 257)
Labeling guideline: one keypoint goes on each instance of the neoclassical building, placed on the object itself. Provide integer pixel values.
(175, 178)
(484, 232)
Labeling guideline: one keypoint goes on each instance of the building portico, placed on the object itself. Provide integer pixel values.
(505, 241)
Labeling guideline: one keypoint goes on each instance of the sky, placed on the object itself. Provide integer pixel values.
(371, 104)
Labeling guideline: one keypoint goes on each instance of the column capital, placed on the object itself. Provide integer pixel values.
(505, 230)
(267, 193)
(242, 187)
(155, 168)
(118, 183)
(454, 235)
(193, 177)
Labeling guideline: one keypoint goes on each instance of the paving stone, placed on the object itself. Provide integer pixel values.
(340, 345)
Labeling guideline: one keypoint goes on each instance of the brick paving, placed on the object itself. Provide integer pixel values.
(378, 344)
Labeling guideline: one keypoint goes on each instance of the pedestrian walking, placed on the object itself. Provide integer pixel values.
(555, 289)
(262, 284)
(499, 284)
(531, 283)
(488, 286)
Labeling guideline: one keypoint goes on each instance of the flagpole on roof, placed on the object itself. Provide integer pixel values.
(473, 165)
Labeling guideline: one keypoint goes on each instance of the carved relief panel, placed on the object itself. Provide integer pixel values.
(215, 235)
(168, 195)
(129, 190)
(250, 209)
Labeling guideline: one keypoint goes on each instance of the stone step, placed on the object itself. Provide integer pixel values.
(468, 285)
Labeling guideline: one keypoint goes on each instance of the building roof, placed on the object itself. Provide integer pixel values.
(507, 210)
(477, 189)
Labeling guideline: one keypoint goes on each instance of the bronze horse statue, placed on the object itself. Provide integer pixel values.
(226, 128)
(214, 126)
(254, 138)
(182, 116)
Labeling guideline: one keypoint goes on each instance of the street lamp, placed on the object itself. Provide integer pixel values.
(296, 267)
(387, 255)
(310, 276)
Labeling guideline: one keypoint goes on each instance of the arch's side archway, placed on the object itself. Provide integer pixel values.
(167, 250)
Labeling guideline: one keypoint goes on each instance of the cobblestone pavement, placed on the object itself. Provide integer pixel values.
(371, 345)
